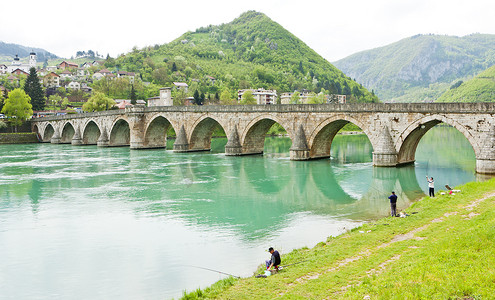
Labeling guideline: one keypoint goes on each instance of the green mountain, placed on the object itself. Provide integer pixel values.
(250, 52)
(422, 67)
(479, 89)
(9, 51)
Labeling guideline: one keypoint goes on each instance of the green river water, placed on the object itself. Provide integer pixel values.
(105, 223)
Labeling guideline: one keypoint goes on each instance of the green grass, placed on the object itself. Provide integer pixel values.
(448, 253)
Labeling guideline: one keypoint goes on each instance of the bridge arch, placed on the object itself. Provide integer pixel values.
(67, 133)
(91, 133)
(156, 132)
(120, 134)
(321, 138)
(253, 137)
(202, 131)
(409, 139)
(48, 133)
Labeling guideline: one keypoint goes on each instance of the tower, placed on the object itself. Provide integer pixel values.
(32, 59)
(166, 97)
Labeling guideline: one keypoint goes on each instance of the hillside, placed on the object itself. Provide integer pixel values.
(479, 89)
(250, 52)
(9, 51)
(420, 68)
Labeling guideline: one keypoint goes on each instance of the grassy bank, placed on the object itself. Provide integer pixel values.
(445, 249)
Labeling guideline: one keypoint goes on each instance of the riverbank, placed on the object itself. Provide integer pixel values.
(444, 249)
(18, 138)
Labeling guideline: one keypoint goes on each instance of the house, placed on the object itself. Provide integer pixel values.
(189, 101)
(66, 75)
(51, 80)
(82, 72)
(3, 69)
(86, 65)
(165, 98)
(124, 74)
(102, 73)
(19, 72)
(73, 85)
(51, 68)
(98, 63)
(211, 79)
(67, 65)
(121, 103)
(181, 86)
(262, 96)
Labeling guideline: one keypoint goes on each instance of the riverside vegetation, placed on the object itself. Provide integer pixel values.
(445, 249)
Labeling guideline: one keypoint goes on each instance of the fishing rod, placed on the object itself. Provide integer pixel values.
(213, 271)
(299, 262)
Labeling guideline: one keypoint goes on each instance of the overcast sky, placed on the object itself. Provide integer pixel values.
(334, 29)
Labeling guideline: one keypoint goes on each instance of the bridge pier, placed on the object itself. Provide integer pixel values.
(55, 138)
(103, 140)
(76, 139)
(233, 146)
(385, 154)
(181, 144)
(299, 149)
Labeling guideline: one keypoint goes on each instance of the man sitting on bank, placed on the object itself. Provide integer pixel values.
(275, 259)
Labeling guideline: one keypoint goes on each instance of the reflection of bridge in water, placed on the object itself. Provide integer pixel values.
(394, 130)
(268, 195)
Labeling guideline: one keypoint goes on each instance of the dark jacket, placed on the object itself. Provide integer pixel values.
(276, 258)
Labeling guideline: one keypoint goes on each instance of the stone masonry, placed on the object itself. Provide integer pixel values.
(394, 130)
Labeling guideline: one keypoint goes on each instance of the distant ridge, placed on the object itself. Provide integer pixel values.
(9, 51)
(421, 67)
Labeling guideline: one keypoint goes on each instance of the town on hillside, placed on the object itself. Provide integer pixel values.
(68, 85)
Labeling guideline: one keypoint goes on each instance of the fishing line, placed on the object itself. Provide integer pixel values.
(213, 271)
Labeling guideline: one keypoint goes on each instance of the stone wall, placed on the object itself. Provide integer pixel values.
(18, 138)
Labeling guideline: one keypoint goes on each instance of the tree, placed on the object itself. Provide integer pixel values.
(32, 87)
(202, 98)
(197, 98)
(18, 107)
(133, 95)
(316, 98)
(225, 98)
(174, 67)
(248, 98)
(98, 102)
(295, 98)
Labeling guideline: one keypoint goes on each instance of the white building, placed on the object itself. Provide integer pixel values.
(16, 64)
(262, 96)
(74, 85)
(165, 98)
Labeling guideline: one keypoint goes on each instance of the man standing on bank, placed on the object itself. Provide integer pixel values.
(393, 204)
(431, 186)
(275, 259)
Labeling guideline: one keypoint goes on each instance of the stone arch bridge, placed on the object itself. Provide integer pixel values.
(394, 130)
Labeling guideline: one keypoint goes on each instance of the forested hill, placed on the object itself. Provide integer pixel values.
(422, 67)
(479, 89)
(9, 51)
(250, 52)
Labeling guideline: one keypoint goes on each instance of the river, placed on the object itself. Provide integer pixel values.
(101, 223)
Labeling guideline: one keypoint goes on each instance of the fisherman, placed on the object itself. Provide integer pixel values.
(431, 186)
(274, 261)
(393, 204)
